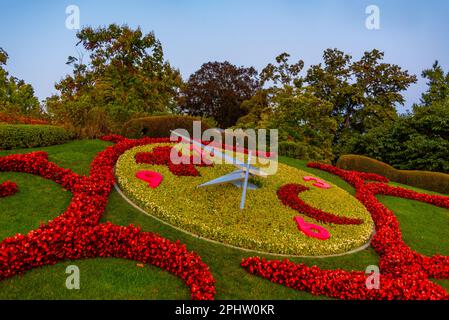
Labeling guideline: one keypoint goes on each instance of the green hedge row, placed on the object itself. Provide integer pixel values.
(29, 136)
(433, 181)
(159, 126)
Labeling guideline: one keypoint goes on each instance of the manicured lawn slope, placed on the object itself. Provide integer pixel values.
(425, 228)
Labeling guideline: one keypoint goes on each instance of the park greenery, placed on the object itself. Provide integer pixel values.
(87, 179)
(340, 106)
(16, 96)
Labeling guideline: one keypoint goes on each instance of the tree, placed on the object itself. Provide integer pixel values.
(364, 93)
(279, 80)
(416, 141)
(305, 119)
(217, 90)
(282, 73)
(126, 76)
(438, 85)
(256, 111)
(16, 96)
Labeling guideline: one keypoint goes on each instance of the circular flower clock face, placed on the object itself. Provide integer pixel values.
(291, 213)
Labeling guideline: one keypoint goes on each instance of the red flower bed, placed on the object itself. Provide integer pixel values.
(288, 194)
(77, 234)
(161, 156)
(8, 188)
(404, 273)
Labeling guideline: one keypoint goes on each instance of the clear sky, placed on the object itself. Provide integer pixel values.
(413, 34)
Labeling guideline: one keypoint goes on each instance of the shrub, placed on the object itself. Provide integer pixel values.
(292, 150)
(30, 136)
(159, 126)
(303, 151)
(433, 181)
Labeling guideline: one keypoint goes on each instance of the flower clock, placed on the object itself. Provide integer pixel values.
(286, 215)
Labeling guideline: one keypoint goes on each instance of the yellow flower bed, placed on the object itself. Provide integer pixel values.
(264, 225)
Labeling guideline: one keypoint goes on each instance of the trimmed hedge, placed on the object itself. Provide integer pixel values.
(29, 136)
(433, 181)
(159, 126)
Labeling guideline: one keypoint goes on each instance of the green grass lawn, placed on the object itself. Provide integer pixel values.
(425, 228)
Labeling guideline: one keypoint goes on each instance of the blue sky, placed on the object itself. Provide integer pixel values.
(413, 34)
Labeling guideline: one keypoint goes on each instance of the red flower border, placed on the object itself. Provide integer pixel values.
(161, 156)
(288, 194)
(404, 273)
(77, 234)
(8, 188)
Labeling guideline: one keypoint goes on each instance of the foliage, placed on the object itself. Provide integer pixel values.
(257, 111)
(19, 119)
(217, 90)
(16, 96)
(351, 97)
(418, 141)
(438, 83)
(29, 136)
(293, 149)
(433, 181)
(363, 93)
(159, 126)
(264, 225)
(282, 73)
(305, 120)
(278, 81)
(126, 76)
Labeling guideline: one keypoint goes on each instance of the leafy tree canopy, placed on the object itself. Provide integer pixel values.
(126, 75)
(217, 90)
(364, 93)
(16, 96)
(278, 81)
(416, 141)
(438, 85)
